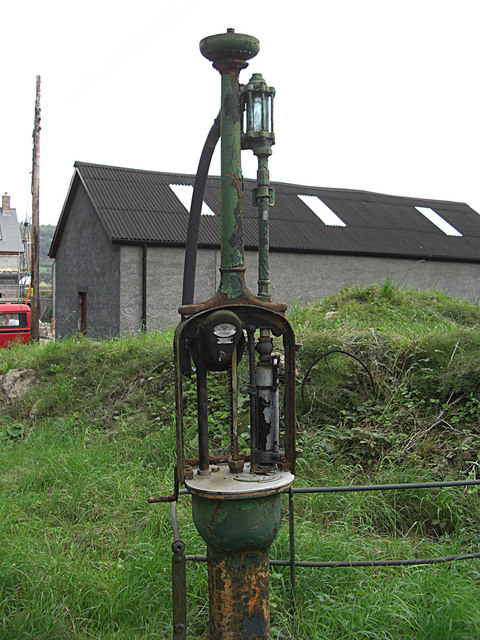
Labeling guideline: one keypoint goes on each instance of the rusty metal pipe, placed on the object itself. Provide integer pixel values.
(238, 585)
(253, 396)
(238, 534)
(202, 413)
(233, 379)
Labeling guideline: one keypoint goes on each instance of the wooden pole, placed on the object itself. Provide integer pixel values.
(35, 274)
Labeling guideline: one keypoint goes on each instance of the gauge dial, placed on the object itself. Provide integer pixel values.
(224, 330)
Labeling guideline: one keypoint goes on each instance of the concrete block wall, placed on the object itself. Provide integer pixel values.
(296, 279)
(86, 261)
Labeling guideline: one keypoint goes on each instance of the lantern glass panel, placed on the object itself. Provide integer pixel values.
(267, 118)
(257, 120)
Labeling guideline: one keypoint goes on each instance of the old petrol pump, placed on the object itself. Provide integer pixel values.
(236, 499)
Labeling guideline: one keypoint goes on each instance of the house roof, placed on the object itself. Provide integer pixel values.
(10, 238)
(136, 206)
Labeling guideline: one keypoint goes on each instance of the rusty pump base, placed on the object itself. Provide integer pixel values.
(239, 528)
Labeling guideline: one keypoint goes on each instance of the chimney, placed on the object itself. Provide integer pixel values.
(5, 203)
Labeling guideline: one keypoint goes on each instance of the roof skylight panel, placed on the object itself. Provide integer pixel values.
(184, 194)
(438, 221)
(320, 209)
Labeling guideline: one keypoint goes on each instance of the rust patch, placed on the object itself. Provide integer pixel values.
(236, 239)
(238, 187)
(239, 596)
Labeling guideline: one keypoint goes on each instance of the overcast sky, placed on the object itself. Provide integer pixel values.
(379, 95)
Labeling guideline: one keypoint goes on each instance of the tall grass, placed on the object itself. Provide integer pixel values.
(92, 437)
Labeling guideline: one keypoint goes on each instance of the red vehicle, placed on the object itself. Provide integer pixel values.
(14, 323)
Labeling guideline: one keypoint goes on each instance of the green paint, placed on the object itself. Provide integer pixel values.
(237, 525)
(232, 284)
(232, 252)
(264, 200)
(236, 46)
(229, 53)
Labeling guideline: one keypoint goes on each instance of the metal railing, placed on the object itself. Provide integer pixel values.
(179, 558)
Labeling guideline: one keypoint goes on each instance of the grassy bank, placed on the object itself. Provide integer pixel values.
(87, 435)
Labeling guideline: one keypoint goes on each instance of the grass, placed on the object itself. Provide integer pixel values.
(92, 437)
(81, 543)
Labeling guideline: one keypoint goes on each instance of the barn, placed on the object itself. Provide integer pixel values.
(120, 241)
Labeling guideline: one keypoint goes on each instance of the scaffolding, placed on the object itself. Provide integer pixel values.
(24, 261)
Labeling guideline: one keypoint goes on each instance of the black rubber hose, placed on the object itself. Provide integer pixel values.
(195, 211)
(324, 355)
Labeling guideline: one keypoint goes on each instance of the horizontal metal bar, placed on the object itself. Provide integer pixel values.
(378, 487)
(360, 563)
(386, 487)
(377, 563)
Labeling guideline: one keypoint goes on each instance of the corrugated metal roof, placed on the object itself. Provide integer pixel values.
(139, 206)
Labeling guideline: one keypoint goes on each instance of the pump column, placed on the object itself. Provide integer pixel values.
(229, 53)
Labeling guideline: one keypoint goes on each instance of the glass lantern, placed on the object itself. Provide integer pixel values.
(258, 113)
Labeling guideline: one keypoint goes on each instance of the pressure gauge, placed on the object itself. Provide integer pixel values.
(224, 330)
(218, 334)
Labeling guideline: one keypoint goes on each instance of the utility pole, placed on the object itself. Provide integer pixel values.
(35, 274)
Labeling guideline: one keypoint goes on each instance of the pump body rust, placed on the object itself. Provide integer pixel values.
(238, 534)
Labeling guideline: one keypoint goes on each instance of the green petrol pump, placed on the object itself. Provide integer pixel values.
(236, 499)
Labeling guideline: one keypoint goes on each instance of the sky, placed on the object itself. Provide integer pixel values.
(377, 95)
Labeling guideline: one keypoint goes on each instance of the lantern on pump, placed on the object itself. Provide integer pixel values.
(258, 136)
(258, 115)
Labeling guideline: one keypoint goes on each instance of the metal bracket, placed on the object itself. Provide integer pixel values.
(179, 580)
(261, 192)
(172, 497)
